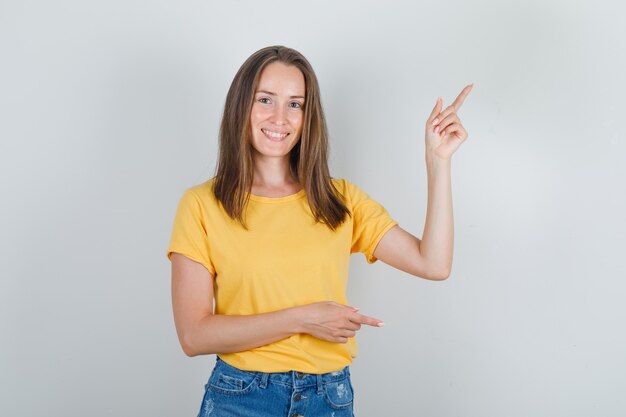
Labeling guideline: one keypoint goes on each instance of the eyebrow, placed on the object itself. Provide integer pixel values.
(273, 94)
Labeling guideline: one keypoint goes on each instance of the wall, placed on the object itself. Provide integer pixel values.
(110, 109)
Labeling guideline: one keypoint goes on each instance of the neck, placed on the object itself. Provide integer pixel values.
(272, 172)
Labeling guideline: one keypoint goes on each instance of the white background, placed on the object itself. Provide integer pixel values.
(108, 110)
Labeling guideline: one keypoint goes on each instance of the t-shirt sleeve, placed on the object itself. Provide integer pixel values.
(189, 234)
(370, 222)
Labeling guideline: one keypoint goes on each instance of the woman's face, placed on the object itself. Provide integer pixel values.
(278, 110)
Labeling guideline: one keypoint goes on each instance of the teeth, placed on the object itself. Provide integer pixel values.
(274, 134)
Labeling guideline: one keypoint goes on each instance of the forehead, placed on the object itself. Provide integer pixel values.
(282, 79)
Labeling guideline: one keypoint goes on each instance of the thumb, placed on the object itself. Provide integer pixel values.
(436, 110)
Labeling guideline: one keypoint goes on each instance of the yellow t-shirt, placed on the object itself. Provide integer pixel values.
(283, 260)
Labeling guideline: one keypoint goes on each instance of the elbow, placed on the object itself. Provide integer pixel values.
(433, 270)
(192, 340)
(438, 277)
(191, 348)
(432, 275)
(439, 274)
(187, 347)
(189, 353)
(444, 276)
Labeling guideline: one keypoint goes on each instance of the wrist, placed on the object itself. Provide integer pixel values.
(434, 161)
(297, 319)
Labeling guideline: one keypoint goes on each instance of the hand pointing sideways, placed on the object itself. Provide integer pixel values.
(331, 321)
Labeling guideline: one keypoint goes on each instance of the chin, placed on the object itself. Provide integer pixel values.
(278, 151)
(259, 151)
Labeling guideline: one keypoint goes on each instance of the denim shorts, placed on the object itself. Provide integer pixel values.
(232, 392)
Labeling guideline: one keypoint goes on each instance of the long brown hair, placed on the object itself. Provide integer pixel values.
(308, 159)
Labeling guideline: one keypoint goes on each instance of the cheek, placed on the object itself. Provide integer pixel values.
(297, 120)
(257, 114)
(254, 117)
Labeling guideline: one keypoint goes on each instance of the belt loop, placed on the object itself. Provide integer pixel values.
(320, 390)
(264, 377)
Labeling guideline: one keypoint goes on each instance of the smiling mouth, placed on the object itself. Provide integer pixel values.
(274, 136)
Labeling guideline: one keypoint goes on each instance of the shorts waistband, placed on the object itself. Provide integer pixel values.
(295, 379)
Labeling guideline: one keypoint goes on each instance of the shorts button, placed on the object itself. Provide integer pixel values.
(299, 375)
(297, 397)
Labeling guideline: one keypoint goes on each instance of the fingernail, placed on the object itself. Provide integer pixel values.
(381, 324)
(435, 122)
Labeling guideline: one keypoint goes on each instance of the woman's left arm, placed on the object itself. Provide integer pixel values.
(431, 257)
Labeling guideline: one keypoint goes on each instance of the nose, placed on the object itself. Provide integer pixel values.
(279, 115)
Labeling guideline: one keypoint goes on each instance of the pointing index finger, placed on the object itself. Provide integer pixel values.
(461, 97)
(362, 319)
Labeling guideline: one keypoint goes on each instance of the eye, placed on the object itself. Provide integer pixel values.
(297, 105)
(263, 98)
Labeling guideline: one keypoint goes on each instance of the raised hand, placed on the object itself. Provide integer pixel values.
(332, 321)
(444, 131)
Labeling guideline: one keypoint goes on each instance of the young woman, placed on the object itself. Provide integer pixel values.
(269, 238)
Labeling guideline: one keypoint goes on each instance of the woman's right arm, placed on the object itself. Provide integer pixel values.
(201, 332)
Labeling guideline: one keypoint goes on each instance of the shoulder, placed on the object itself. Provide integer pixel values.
(201, 191)
(352, 192)
(339, 183)
(199, 196)
(343, 186)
